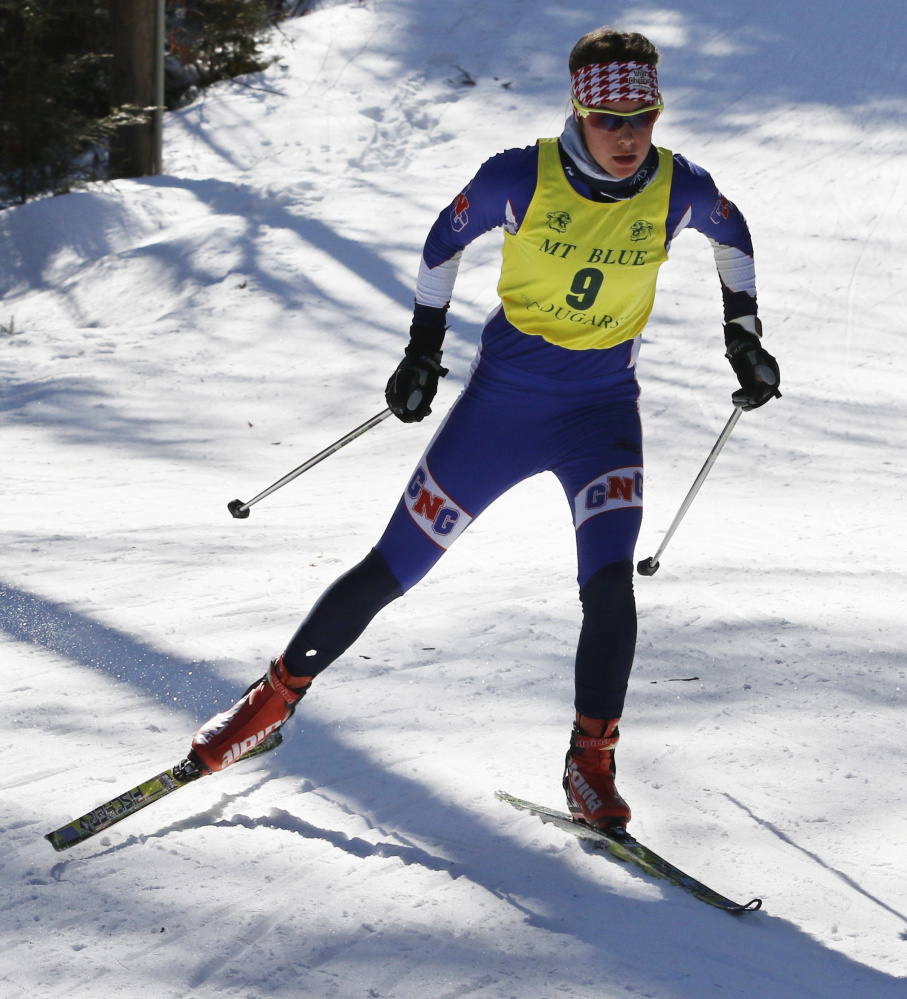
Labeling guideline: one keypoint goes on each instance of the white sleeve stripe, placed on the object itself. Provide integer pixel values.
(736, 268)
(435, 284)
(681, 225)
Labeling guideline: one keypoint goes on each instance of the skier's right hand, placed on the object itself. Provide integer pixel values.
(412, 387)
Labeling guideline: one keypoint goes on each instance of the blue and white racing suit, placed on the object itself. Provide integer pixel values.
(531, 405)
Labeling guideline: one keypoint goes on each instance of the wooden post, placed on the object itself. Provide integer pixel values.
(137, 78)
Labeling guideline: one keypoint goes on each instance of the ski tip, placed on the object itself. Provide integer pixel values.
(50, 839)
(733, 908)
(62, 839)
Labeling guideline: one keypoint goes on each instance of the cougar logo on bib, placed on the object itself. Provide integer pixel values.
(559, 221)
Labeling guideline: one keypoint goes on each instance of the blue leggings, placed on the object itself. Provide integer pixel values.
(506, 426)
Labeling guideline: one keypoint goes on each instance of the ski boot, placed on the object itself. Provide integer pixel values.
(589, 775)
(262, 709)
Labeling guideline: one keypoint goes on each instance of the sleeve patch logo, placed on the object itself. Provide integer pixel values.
(721, 210)
(458, 217)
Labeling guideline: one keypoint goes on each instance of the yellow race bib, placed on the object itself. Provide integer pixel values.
(582, 273)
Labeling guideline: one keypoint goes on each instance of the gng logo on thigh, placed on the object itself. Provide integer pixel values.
(433, 511)
(620, 489)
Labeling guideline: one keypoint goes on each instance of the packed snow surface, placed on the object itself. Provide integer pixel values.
(172, 343)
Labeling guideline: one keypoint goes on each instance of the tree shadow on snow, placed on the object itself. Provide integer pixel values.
(87, 411)
(230, 199)
(716, 60)
(170, 680)
(541, 886)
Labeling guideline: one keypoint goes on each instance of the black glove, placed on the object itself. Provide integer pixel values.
(412, 387)
(755, 368)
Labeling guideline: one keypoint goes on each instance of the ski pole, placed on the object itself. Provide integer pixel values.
(241, 510)
(649, 566)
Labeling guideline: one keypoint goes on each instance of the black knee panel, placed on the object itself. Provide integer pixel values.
(607, 641)
(610, 586)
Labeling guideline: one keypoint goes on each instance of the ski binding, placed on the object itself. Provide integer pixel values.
(620, 844)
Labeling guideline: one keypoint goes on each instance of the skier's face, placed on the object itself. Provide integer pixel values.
(620, 153)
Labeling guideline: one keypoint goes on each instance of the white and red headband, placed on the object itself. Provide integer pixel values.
(610, 82)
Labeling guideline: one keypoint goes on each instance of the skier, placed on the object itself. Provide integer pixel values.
(588, 219)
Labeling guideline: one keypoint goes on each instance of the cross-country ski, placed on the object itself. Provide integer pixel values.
(620, 844)
(129, 802)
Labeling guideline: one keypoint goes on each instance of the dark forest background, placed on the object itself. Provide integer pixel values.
(56, 115)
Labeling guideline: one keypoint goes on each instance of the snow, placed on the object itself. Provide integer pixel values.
(171, 343)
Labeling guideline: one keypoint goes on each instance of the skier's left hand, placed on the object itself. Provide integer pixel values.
(755, 368)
